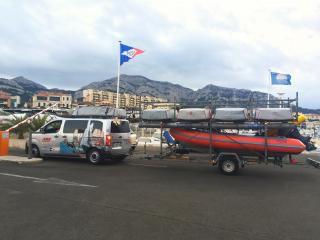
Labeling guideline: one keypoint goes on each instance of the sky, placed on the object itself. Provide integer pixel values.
(68, 44)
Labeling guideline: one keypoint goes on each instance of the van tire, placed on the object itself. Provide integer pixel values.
(35, 152)
(94, 156)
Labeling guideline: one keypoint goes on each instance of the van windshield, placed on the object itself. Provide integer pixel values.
(120, 127)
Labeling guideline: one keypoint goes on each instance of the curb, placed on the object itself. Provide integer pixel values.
(20, 160)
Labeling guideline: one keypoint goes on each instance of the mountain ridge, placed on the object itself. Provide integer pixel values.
(138, 84)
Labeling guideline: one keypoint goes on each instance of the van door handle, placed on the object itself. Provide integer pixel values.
(120, 136)
(64, 136)
(55, 136)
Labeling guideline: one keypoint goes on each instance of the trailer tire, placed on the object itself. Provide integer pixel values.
(229, 165)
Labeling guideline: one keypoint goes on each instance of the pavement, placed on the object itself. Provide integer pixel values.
(19, 159)
(157, 199)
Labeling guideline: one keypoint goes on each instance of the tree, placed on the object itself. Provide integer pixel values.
(21, 130)
(35, 124)
(38, 122)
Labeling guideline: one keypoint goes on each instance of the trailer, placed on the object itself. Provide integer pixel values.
(229, 159)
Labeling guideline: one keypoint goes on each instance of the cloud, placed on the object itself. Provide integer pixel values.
(192, 43)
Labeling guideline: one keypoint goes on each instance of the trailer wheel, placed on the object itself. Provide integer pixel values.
(228, 165)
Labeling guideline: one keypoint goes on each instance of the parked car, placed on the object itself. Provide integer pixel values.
(154, 140)
(94, 138)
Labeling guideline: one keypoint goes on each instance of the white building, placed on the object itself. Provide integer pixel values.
(44, 99)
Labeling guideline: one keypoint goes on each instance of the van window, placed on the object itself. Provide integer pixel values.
(96, 128)
(120, 127)
(71, 125)
(53, 127)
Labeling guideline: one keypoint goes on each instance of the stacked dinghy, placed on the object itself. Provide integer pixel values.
(228, 115)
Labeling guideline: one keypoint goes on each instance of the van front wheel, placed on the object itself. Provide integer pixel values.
(94, 156)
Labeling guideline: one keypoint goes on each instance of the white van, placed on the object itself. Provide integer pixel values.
(93, 138)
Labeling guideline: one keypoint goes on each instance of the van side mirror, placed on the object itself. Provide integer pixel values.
(41, 130)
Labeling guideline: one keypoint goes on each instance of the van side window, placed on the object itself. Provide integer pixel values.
(71, 125)
(96, 128)
(53, 127)
(120, 127)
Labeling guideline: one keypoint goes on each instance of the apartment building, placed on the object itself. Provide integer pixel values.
(100, 97)
(45, 99)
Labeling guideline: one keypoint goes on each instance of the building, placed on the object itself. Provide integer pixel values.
(313, 116)
(100, 97)
(8, 101)
(4, 99)
(15, 101)
(95, 97)
(45, 99)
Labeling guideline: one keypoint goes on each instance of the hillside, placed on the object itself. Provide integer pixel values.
(167, 90)
(20, 86)
(142, 85)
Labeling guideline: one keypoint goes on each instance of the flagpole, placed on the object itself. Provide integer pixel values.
(268, 87)
(118, 82)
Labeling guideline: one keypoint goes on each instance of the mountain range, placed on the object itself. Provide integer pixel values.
(20, 86)
(24, 87)
(141, 85)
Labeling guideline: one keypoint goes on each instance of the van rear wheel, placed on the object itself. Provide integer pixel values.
(95, 156)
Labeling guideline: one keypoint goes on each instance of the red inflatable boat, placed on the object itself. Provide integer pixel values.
(230, 142)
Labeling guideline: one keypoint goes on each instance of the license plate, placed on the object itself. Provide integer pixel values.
(116, 145)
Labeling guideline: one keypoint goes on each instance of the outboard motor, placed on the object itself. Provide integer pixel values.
(294, 133)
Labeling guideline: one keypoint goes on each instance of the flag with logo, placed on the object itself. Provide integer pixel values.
(280, 79)
(127, 53)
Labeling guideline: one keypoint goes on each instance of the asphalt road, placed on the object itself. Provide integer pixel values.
(69, 199)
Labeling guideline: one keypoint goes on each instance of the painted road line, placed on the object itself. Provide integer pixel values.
(64, 182)
(20, 176)
(56, 181)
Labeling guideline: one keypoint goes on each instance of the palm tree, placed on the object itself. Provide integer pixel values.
(38, 122)
(21, 130)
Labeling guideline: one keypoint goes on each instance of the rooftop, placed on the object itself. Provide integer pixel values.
(4, 95)
(47, 93)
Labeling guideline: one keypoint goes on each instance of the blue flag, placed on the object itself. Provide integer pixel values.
(127, 53)
(280, 78)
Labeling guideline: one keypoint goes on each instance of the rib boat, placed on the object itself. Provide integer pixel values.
(238, 143)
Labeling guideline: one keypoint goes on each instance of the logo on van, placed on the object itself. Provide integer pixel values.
(46, 139)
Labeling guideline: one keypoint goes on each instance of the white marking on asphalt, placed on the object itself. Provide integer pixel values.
(20, 176)
(148, 165)
(63, 182)
(50, 180)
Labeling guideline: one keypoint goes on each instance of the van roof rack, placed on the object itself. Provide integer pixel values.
(93, 116)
